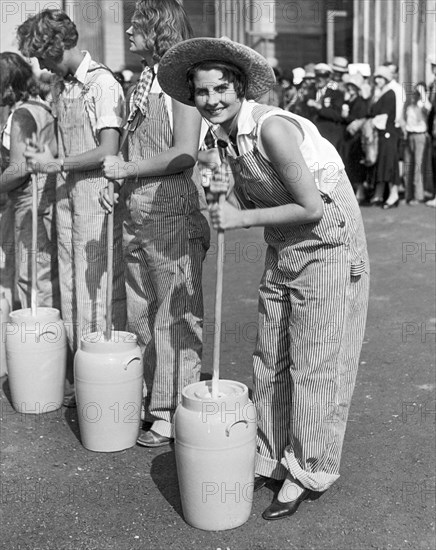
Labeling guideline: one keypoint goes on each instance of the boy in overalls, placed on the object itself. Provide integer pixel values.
(89, 105)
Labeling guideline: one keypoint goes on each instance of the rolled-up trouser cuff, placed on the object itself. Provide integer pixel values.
(164, 428)
(269, 467)
(315, 481)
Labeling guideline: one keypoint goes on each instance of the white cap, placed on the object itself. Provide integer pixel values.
(297, 75)
(363, 68)
(127, 74)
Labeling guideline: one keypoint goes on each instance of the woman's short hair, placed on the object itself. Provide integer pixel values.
(162, 23)
(47, 35)
(17, 81)
(231, 73)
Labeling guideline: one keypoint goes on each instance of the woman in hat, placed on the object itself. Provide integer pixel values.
(314, 291)
(382, 110)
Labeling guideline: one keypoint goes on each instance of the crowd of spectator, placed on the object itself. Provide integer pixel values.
(384, 129)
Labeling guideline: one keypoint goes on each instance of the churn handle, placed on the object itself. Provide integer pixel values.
(127, 362)
(230, 426)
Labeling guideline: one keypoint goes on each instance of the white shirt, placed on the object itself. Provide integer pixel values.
(320, 155)
(103, 95)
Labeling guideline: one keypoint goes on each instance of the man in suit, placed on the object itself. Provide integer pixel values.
(328, 105)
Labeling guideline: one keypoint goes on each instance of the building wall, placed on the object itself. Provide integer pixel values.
(290, 32)
(294, 32)
(403, 32)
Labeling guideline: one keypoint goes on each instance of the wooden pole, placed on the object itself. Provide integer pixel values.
(110, 263)
(222, 146)
(34, 267)
(218, 308)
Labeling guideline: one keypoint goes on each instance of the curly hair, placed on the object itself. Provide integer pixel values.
(47, 35)
(17, 81)
(162, 23)
(231, 73)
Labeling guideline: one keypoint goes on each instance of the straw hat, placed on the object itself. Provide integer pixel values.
(340, 65)
(384, 72)
(175, 64)
(322, 69)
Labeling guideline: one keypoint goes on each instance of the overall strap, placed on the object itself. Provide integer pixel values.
(39, 104)
(103, 68)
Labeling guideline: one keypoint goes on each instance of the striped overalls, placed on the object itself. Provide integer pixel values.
(312, 311)
(81, 225)
(47, 282)
(166, 237)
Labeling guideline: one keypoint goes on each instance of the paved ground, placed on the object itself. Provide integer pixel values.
(58, 496)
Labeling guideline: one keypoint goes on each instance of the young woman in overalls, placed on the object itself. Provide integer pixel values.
(166, 234)
(314, 291)
(89, 105)
(30, 118)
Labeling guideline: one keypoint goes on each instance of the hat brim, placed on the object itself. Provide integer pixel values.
(176, 62)
(384, 76)
(339, 69)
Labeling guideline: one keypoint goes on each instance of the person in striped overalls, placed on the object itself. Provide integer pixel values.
(166, 234)
(30, 118)
(89, 106)
(314, 291)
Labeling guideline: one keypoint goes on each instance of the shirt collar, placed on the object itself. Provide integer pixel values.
(83, 68)
(246, 122)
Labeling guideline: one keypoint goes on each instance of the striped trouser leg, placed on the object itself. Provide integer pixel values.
(272, 392)
(82, 244)
(47, 281)
(141, 300)
(326, 326)
(64, 227)
(165, 305)
(7, 250)
(90, 261)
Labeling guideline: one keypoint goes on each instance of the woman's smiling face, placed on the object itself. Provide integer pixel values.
(215, 97)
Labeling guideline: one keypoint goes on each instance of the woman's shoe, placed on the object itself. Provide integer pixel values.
(152, 439)
(279, 510)
(386, 205)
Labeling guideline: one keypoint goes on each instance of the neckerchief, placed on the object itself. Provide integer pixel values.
(141, 92)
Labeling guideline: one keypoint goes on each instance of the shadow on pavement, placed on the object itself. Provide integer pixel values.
(72, 420)
(164, 474)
